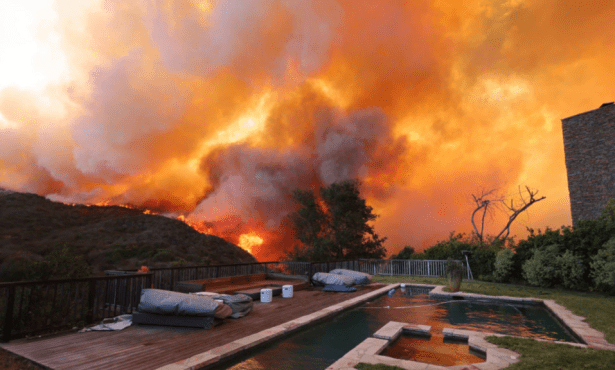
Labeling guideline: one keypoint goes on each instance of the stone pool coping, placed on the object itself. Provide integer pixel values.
(240, 345)
(496, 358)
(591, 337)
(369, 350)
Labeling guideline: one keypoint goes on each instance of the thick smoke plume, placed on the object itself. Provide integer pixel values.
(218, 110)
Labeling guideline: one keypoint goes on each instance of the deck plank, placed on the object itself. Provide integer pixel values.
(149, 347)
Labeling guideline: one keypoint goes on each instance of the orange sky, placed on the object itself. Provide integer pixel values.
(217, 110)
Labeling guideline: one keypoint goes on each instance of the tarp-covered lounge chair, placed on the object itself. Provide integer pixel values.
(360, 278)
(163, 307)
(340, 280)
(323, 278)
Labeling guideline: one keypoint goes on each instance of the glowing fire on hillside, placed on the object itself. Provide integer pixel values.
(220, 111)
(247, 241)
(250, 241)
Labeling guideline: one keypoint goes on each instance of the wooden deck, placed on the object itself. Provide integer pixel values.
(150, 347)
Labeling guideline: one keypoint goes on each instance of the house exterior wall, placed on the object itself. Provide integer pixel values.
(589, 146)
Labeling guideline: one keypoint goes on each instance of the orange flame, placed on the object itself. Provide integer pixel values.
(198, 226)
(250, 241)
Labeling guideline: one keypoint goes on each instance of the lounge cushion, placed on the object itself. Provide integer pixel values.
(324, 278)
(338, 288)
(223, 311)
(165, 302)
(240, 304)
(144, 318)
(360, 278)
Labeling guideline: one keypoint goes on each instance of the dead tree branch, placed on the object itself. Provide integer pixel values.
(483, 202)
(517, 211)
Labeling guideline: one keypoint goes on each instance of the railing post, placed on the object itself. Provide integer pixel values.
(91, 294)
(8, 317)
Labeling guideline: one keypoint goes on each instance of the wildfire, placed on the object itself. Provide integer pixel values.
(249, 241)
(198, 226)
(218, 111)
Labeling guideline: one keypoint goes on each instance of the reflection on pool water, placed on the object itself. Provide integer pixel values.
(320, 345)
(435, 350)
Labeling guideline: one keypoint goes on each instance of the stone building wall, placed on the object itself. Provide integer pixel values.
(589, 145)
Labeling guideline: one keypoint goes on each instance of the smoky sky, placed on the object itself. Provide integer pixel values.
(218, 110)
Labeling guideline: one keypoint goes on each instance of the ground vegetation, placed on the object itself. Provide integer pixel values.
(39, 237)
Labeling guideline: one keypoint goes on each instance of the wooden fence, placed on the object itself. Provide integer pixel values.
(36, 307)
(167, 278)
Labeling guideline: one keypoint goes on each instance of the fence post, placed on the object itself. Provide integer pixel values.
(310, 276)
(8, 317)
(92, 293)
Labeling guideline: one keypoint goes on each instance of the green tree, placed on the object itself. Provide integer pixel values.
(404, 254)
(335, 226)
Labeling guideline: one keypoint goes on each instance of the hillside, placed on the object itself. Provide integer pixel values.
(108, 237)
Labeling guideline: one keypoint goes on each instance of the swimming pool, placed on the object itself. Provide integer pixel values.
(321, 345)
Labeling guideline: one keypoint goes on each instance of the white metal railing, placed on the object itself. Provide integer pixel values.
(427, 268)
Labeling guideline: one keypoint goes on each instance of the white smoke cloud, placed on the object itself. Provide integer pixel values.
(133, 102)
(257, 183)
(246, 34)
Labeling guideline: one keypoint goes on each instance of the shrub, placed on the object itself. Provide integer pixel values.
(404, 254)
(64, 264)
(163, 255)
(503, 266)
(541, 269)
(603, 267)
(570, 270)
(486, 278)
(584, 241)
(59, 264)
(481, 258)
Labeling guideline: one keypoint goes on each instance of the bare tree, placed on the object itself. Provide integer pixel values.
(488, 200)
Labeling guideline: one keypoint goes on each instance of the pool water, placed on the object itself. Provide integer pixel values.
(435, 350)
(318, 346)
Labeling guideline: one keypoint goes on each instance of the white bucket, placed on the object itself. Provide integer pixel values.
(403, 285)
(266, 295)
(287, 291)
